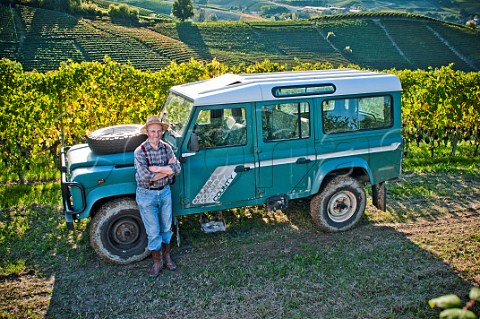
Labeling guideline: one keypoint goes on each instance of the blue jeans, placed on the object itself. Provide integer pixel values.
(156, 210)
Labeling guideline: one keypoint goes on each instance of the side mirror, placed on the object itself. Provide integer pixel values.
(192, 145)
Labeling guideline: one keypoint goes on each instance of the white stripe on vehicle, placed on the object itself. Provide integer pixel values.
(388, 148)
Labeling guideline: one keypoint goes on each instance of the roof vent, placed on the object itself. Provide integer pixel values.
(233, 83)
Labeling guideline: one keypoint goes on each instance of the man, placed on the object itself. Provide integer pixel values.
(156, 164)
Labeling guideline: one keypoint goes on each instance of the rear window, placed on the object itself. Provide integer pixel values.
(354, 114)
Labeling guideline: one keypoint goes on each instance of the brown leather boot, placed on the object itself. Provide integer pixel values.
(157, 263)
(169, 264)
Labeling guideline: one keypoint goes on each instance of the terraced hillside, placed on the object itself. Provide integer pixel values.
(41, 39)
(403, 42)
(301, 40)
(424, 41)
(45, 38)
(8, 34)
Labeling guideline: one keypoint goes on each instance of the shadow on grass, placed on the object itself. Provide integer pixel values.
(430, 196)
(264, 266)
(267, 265)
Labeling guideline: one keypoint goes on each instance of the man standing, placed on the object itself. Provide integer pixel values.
(156, 164)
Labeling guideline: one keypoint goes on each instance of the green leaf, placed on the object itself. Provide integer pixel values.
(445, 302)
(475, 294)
(457, 314)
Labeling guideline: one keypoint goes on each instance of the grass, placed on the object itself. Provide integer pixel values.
(432, 187)
(419, 159)
(267, 265)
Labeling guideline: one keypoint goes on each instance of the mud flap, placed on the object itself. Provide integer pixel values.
(379, 196)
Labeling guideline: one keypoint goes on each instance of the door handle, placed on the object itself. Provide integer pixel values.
(241, 168)
(303, 160)
(185, 155)
(182, 158)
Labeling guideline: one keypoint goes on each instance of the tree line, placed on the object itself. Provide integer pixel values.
(182, 9)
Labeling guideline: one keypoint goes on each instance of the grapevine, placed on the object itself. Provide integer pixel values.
(440, 106)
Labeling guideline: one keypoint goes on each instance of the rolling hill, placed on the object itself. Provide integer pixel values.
(41, 39)
(457, 11)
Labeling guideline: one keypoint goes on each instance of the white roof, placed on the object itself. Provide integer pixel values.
(240, 88)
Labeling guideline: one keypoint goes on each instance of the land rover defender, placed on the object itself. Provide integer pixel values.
(250, 139)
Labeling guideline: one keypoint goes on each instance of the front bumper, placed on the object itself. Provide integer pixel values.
(66, 187)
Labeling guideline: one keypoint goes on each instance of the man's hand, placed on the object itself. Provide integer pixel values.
(159, 176)
(161, 169)
(154, 169)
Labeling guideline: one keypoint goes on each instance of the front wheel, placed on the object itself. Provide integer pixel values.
(339, 205)
(117, 233)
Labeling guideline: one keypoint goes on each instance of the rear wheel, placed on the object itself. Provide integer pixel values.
(117, 233)
(339, 205)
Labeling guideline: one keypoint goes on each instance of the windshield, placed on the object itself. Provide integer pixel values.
(176, 110)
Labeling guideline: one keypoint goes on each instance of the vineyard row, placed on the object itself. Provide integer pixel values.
(439, 105)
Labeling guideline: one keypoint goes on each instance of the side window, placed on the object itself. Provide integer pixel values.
(221, 127)
(339, 116)
(285, 121)
(375, 112)
(346, 115)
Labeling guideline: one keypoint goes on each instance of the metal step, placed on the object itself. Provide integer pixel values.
(212, 224)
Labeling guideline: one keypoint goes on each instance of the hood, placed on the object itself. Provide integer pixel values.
(82, 156)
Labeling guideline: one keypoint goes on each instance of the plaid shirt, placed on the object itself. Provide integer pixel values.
(157, 157)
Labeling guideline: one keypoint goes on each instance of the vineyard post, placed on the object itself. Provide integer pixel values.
(21, 166)
(18, 157)
(62, 128)
(477, 140)
(455, 142)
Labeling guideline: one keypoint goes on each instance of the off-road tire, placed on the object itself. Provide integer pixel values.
(116, 139)
(117, 233)
(339, 205)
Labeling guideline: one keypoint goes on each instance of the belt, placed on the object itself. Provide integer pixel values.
(155, 188)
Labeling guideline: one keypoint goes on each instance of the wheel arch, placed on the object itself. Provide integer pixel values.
(101, 195)
(356, 168)
(102, 201)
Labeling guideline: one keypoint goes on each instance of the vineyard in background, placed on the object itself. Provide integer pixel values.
(41, 39)
(145, 7)
(440, 106)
